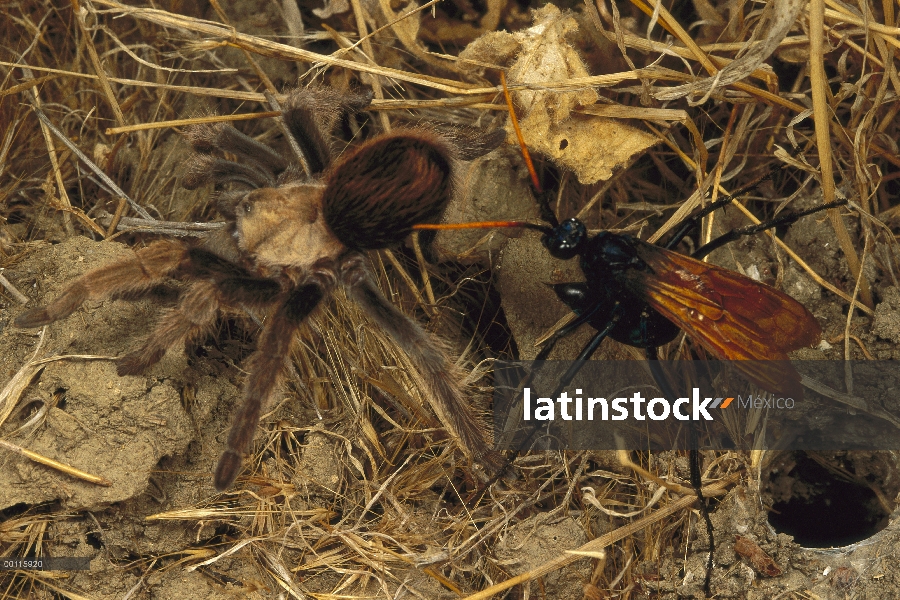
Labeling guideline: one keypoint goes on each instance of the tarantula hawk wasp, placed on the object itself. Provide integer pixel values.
(644, 295)
(288, 242)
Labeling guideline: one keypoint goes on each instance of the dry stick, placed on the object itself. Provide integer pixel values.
(195, 120)
(423, 268)
(19, 296)
(724, 157)
(95, 60)
(822, 118)
(379, 105)
(620, 111)
(888, 34)
(285, 52)
(90, 164)
(370, 53)
(176, 228)
(200, 91)
(49, 462)
(114, 223)
(81, 216)
(672, 26)
(35, 100)
(603, 541)
(27, 85)
(405, 276)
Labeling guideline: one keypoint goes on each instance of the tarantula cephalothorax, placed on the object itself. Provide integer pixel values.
(289, 241)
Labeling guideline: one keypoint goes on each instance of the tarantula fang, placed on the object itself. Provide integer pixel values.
(289, 241)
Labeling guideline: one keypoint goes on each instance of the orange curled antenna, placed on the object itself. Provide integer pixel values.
(479, 225)
(515, 122)
(531, 171)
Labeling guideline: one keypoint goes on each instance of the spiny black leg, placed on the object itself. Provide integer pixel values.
(693, 460)
(691, 222)
(565, 330)
(785, 219)
(565, 380)
(587, 352)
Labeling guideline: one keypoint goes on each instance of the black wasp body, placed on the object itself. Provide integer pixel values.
(603, 258)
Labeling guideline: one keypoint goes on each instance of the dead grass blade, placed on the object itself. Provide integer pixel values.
(605, 540)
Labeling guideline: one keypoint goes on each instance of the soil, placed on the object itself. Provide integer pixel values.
(155, 437)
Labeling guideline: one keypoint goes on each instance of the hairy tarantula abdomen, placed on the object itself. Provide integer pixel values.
(289, 240)
(398, 180)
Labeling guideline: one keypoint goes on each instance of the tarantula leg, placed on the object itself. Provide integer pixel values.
(194, 315)
(130, 276)
(266, 370)
(197, 311)
(203, 168)
(310, 114)
(439, 374)
(208, 137)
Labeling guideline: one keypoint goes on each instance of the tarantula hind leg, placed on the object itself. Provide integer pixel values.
(439, 375)
(266, 370)
(133, 275)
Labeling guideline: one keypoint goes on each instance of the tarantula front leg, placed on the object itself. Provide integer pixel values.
(137, 274)
(440, 375)
(266, 369)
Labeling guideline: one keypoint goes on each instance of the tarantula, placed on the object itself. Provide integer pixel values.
(288, 242)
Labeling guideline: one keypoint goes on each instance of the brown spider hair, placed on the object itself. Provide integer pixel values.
(289, 240)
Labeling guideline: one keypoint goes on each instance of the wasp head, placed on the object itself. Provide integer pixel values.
(566, 240)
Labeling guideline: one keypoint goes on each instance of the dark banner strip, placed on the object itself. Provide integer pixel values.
(746, 405)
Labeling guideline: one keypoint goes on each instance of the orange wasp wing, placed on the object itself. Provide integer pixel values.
(730, 315)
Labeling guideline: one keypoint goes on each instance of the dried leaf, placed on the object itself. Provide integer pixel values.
(591, 147)
(756, 557)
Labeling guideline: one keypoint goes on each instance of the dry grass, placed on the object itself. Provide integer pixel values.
(114, 80)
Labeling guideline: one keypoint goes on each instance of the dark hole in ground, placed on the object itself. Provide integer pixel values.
(824, 506)
(94, 540)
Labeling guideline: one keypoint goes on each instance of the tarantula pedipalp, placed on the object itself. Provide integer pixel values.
(289, 241)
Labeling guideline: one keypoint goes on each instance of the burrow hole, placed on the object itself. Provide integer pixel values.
(831, 499)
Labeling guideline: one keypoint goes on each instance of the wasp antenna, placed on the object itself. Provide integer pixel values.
(482, 225)
(515, 122)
